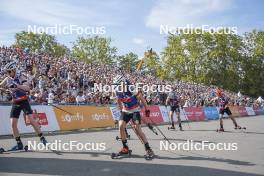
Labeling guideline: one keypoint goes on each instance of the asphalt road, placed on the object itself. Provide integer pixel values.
(248, 159)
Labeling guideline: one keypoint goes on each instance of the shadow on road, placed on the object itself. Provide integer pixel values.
(103, 168)
(235, 131)
(197, 157)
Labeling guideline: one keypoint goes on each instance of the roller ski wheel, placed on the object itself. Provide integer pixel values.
(2, 150)
(149, 155)
(181, 129)
(240, 128)
(220, 130)
(128, 137)
(121, 153)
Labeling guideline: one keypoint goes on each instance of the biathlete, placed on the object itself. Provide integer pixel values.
(222, 102)
(173, 101)
(16, 84)
(129, 105)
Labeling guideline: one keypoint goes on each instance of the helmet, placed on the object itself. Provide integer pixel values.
(118, 79)
(10, 66)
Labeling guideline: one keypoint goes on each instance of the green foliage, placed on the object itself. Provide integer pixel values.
(152, 65)
(94, 50)
(128, 61)
(231, 61)
(40, 42)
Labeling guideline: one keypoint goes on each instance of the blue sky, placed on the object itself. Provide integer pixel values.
(134, 25)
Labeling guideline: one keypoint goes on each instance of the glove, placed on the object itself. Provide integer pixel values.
(147, 113)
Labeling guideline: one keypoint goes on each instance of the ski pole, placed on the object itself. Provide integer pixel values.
(61, 109)
(186, 119)
(153, 123)
(136, 132)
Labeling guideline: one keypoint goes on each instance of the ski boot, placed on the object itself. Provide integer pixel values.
(123, 151)
(43, 140)
(171, 128)
(220, 130)
(149, 154)
(181, 129)
(19, 146)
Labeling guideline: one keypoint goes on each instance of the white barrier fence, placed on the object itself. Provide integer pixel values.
(46, 113)
(50, 121)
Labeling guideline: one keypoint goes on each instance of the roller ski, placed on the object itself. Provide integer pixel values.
(2, 150)
(119, 138)
(171, 128)
(149, 155)
(240, 128)
(44, 142)
(18, 147)
(124, 151)
(220, 130)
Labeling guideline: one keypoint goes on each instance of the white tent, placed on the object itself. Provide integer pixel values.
(260, 99)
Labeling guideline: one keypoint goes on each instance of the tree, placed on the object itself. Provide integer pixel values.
(151, 64)
(128, 61)
(94, 50)
(253, 64)
(203, 58)
(40, 42)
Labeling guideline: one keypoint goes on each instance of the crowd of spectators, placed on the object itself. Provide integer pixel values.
(65, 80)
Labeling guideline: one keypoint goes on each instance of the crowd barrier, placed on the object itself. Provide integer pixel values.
(83, 117)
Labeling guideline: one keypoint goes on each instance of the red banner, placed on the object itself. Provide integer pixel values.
(40, 117)
(242, 111)
(257, 110)
(195, 113)
(155, 115)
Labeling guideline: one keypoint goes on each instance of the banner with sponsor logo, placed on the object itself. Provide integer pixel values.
(155, 115)
(194, 113)
(165, 114)
(257, 110)
(40, 117)
(83, 117)
(211, 113)
(250, 111)
(262, 111)
(115, 112)
(242, 111)
(45, 117)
